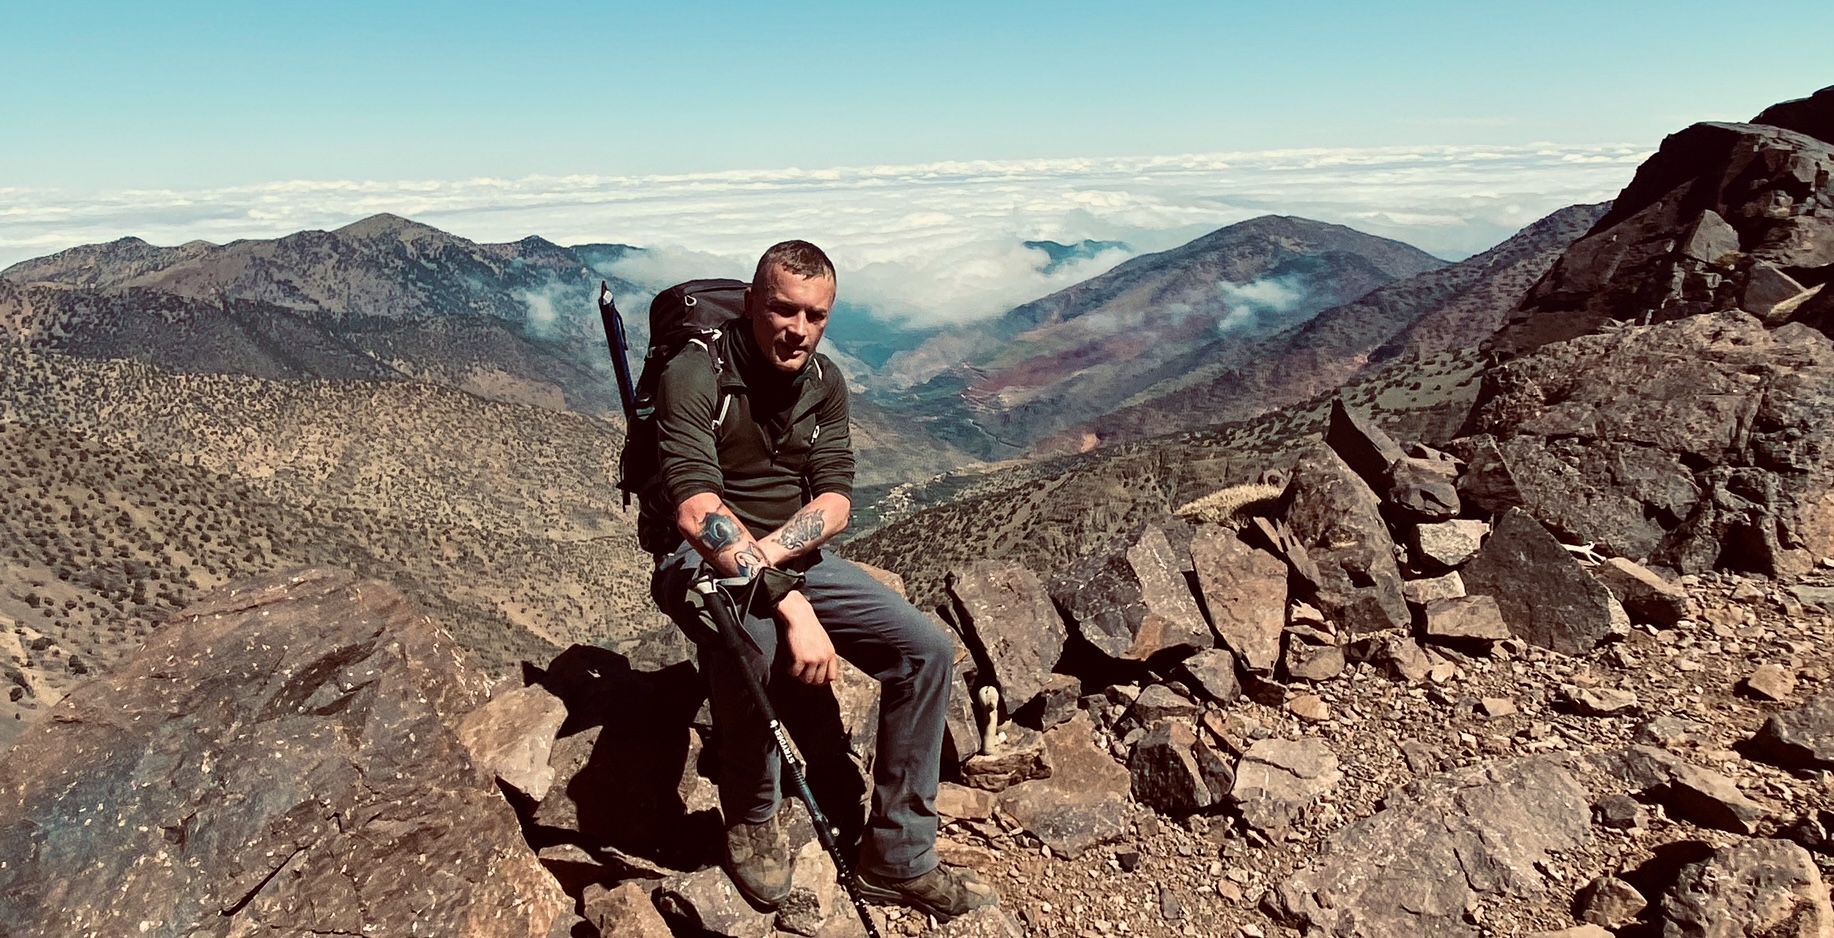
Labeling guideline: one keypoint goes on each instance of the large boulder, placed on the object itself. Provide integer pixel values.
(1694, 443)
(1544, 595)
(1437, 847)
(1753, 889)
(280, 757)
(1134, 604)
(1245, 592)
(1769, 185)
(1006, 617)
(1338, 519)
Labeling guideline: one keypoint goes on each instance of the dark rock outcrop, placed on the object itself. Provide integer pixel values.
(281, 756)
(1767, 888)
(1006, 617)
(1695, 444)
(1134, 605)
(1543, 593)
(1337, 517)
(1799, 738)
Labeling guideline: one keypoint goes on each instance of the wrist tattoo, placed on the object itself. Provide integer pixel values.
(804, 529)
(718, 532)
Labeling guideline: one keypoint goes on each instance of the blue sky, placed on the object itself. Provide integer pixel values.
(919, 143)
(196, 94)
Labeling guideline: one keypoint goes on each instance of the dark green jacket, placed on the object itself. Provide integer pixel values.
(782, 440)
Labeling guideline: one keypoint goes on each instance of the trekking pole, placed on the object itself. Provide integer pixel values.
(620, 351)
(719, 604)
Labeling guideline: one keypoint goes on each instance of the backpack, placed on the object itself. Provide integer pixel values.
(694, 312)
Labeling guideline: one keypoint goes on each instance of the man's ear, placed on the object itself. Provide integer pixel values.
(746, 306)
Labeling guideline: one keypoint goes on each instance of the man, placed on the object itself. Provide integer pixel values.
(757, 471)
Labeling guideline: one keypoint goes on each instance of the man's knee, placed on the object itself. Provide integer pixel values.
(932, 648)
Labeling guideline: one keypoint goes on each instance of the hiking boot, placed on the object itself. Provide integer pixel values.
(944, 892)
(758, 860)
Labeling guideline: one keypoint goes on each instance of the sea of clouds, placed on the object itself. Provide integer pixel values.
(927, 244)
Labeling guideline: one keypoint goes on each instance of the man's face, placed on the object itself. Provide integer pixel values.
(788, 314)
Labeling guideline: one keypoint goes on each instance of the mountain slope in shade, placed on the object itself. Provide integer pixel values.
(384, 298)
(1056, 362)
(1448, 309)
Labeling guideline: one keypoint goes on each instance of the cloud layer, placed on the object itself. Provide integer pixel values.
(930, 243)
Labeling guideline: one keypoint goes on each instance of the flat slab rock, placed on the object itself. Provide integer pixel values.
(1004, 614)
(1800, 738)
(1083, 803)
(282, 758)
(1412, 868)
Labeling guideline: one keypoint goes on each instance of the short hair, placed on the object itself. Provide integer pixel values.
(798, 257)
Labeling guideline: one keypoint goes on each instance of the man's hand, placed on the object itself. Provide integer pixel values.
(812, 659)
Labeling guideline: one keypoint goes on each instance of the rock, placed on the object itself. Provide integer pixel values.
(575, 869)
(1466, 620)
(960, 802)
(624, 910)
(990, 922)
(1813, 115)
(1165, 774)
(1022, 756)
(1364, 447)
(1425, 590)
(1440, 846)
(1767, 288)
(1821, 597)
(962, 725)
(1083, 804)
(1646, 596)
(1337, 518)
(262, 744)
(1577, 931)
(1691, 443)
(1814, 830)
(1800, 738)
(566, 759)
(1487, 484)
(1543, 594)
(1005, 616)
(1245, 592)
(1610, 902)
(1668, 732)
(1496, 707)
(1641, 766)
(1315, 663)
(1600, 701)
(1277, 779)
(708, 903)
(511, 736)
(1449, 543)
(1309, 707)
(1709, 799)
(1710, 240)
(1620, 812)
(816, 899)
(1134, 605)
(1211, 673)
(1753, 889)
(890, 580)
(1157, 702)
(1769, 682)
(1054, 704)
(1394, 656)
(1422, 491)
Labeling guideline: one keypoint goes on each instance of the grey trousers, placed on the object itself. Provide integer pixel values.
(878, 632)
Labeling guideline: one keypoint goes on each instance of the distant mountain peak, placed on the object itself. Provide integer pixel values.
(388, 224)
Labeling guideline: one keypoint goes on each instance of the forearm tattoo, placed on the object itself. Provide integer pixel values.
(718, 532)
(749, 560)
(804, 529)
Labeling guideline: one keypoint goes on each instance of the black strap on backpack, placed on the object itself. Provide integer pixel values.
(694, 312)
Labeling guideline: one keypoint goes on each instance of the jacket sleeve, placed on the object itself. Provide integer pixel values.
(831, 455)
(687, 455)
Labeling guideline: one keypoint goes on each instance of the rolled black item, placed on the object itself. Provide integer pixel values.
(620, 351)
